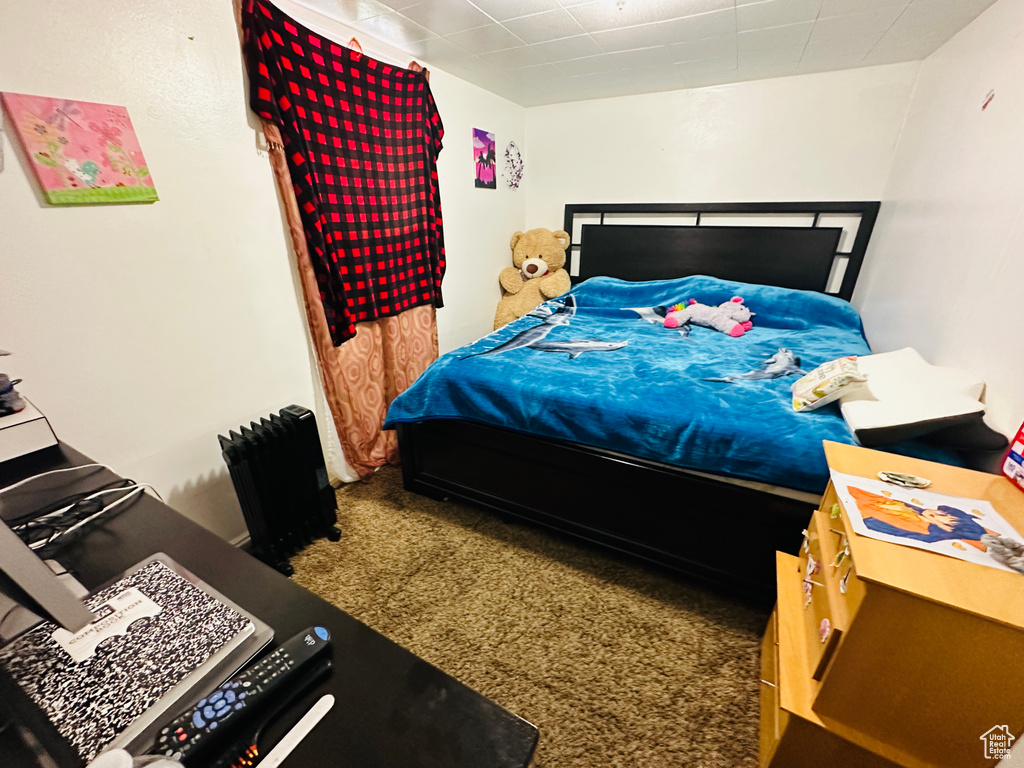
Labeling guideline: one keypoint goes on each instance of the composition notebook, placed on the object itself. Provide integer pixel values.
(157, 636)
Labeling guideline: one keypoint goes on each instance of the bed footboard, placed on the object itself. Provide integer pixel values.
(720, 533)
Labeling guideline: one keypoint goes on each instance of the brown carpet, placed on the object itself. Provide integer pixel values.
(616, 664)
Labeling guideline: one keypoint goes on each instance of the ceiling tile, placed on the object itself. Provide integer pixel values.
(775, 13)
(832, 64)
(656, 56)
(514, 58)
(707, 66)
(601, 15)
(877, 20)
(849, 7)
(543, 27)
(568, 48)
(714, 24)
(922, 28)
(446, 17)
(708, 48)
(503, 10)
(848, 36)
(438, 52)
(588, 65)
(855, 48)
(788, 38)
(627, 39)
(935, 19)
(394, 28)
(771, 56)
(493, 37)
(398, 5)
(347, 10)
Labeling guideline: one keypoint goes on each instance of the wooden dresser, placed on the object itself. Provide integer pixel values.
(897, 656)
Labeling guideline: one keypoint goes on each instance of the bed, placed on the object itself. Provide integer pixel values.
(644, 469)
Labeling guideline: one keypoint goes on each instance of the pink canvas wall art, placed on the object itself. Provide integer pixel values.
(483, 158)
(81, 152)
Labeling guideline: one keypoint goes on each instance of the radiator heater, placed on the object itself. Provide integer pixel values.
(278, 470)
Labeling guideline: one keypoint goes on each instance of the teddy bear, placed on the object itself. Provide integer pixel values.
(731, 317)
(538, 257)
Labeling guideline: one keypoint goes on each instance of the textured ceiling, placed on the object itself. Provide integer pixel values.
(537, 52)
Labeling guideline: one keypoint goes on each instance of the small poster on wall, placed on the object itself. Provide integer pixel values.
(484, 160)
(81, 152)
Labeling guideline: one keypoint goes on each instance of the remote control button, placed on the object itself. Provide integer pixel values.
(241, 695)
(213, 725)
(229, 697)
(217, 696)
(208, 712)
(197, 719)
(322, 633)
(202, 703)
(238, 706)
(182, 736)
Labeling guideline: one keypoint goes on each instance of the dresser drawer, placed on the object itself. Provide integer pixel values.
(773, 718)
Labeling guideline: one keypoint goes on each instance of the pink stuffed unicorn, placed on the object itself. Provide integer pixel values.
(730, 317)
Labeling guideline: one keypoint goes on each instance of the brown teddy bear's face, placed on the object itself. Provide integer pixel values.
(540, 243)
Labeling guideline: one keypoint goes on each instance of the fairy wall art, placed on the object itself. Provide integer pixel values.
(82, 153)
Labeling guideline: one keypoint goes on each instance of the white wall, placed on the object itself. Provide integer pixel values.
(827, 136)
(944, 272)
(144, 330)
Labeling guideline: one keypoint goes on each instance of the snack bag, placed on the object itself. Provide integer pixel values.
(826, 383)
(1013, 464)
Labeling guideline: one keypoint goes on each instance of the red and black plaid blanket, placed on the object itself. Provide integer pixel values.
(362, 139)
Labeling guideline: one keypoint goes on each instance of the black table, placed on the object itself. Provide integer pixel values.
(392, 709)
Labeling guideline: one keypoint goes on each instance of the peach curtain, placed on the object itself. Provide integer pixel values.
(362, 376)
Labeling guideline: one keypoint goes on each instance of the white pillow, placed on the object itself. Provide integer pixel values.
(905, 397)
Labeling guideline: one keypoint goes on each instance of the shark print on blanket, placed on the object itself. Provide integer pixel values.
(536, 337)
(782, 363)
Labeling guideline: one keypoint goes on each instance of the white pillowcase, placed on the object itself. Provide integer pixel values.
(906, 397)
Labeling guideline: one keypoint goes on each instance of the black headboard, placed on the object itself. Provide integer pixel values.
(811, 246)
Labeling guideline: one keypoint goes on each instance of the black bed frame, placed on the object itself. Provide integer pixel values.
(712, 529)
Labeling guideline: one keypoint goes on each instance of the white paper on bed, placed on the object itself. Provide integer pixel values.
(952, 522)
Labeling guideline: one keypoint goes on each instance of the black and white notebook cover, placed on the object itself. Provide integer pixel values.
(96, 696)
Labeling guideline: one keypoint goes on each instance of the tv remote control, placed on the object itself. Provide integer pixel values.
(213, 714)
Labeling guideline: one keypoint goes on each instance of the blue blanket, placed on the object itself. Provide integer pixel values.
(598, 367)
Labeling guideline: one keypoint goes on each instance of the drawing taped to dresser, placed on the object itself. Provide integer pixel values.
(967, 529)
